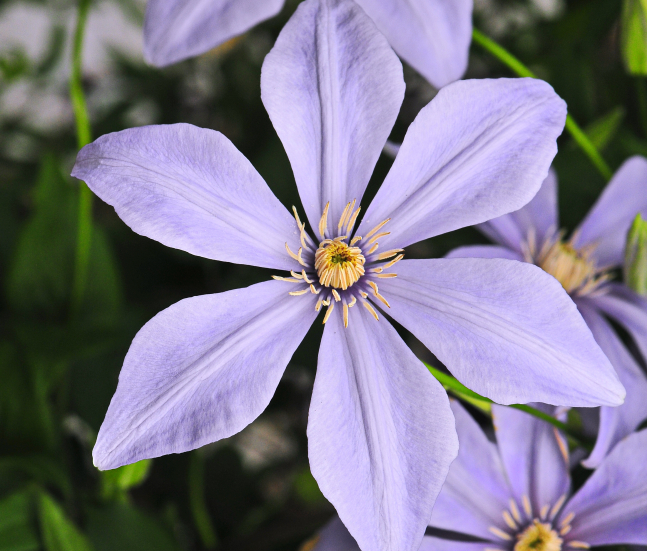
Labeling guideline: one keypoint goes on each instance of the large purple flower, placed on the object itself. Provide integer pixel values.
(380, 431)
(583, 266)
(514, 495)
(433, 36)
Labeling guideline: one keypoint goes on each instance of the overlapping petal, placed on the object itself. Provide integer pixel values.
(380, 433)
(333, 88)
(334, 537)
(480, 149)
(178, 29)
(202, 370)
(191, 189)
(505, 329)
(535, 456)
(485, 251)
(476, 491)
(537, 220)
(611, 507)
(629, 310)
(433, 36)
(608, 221)
(615, 422)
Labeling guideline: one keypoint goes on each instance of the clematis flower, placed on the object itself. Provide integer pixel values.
(380, 431)
(583, 265)
(514, 495)
(433, 36)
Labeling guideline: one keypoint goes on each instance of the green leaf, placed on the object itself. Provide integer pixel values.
(40, 275)
(603, 130)
(633, 36)
(17, 532)
(120, 526)
(635, 268)
(58, 532)
(116, 482)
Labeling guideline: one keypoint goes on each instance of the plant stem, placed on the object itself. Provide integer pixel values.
(84, 226)
(459, 390)
(198, 505)
(520, 69)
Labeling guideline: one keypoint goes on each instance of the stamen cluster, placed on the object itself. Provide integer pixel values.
(528, 530)
(574, 268)
(342, 268)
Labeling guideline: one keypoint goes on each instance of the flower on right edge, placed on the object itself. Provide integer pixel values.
(583, 265)
(515, 495)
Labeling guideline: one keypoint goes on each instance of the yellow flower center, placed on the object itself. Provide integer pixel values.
(338, 265)
(574, 268)
(538, 536)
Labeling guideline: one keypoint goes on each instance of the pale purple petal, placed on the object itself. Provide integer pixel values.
(629, 310)
(608, 222)
(433, 36)
(191, 189)
(333, 88)
(437, 544)
(505, 329)
(202, 370)
(178, 29)
(615, 422)
(535, 456)
(334, 537)
(381, 434)
(480, 149)
(537, 220)
(476, 491)
(485, 251)
(611, 507)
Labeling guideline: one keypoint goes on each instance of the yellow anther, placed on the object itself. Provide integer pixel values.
(578, 544)
(331, 307)
(370, 309)
(345, 315)
(538, 536)
(386, 276)
(508, 520)
(351, 222)
(377, 228)
(499, 533)
(373, 248)
(388, 254)
(298, 293)
(336, 295)
(339, 265)
(377, 236)
(323, 223)
(355, 239)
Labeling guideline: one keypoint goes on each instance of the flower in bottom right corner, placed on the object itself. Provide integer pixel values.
(516, 494)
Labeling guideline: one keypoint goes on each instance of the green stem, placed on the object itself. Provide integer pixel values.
(84, 226)
(459, 390)
(520, 69)
(198, 505)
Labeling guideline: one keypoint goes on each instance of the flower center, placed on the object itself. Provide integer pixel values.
(338, 265)
(574, 268)
(340, 272)
(538, 536)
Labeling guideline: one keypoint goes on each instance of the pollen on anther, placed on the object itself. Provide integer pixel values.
(370, 309)
(331, 307)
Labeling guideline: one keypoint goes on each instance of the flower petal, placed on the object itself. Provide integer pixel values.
(334, 537)
(535, 456)
(191, 189)
(485, 251)
(615, 422)
(430, 543)
(202, 370)
(333, 88)
(505, 329)
(476, 491)
(538, 218)
(433, 36)
(608, 221)
(178, 29)
(611, 507)
(380, 432)
(629, 310)
(480, 149)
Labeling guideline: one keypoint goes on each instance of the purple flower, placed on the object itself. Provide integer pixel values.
(515, 495)
(380, 430)
(583, 266)
(433, 36)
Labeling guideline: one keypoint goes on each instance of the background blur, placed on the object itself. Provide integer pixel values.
(58, 372)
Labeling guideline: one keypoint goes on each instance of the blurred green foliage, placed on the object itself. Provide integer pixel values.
(58, 371)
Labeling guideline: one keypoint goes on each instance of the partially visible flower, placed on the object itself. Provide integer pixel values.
(515, 495)
(380, 431)
(433, 36)
(583, 265)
